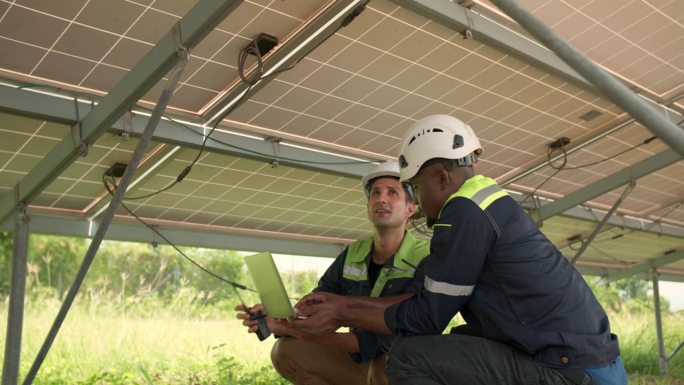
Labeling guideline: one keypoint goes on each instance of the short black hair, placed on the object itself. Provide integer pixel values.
(407, 194)
(448, 164)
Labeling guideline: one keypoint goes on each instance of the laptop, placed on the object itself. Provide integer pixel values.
(269, 285)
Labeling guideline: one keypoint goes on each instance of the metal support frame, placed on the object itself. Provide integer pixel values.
(602, 223)
(199, 236)
(190, 30)
(617, 92)
(58, 109)
(609, 183)
(181, 60)
(486, 30)
(651, 264)
(662, 360)
(15, 317)
(294, 50)
(144, 170)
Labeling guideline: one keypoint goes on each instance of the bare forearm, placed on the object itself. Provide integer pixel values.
(368, 313)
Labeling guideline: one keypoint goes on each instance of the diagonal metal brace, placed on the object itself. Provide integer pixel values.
(599, 227)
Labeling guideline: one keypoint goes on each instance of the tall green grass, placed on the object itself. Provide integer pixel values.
(107, 339)
(144, 341)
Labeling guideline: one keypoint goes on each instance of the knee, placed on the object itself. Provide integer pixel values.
(280, 352)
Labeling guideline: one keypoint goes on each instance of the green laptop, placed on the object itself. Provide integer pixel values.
(269, 285)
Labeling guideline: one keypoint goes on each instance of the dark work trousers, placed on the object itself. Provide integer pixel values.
(461, 359)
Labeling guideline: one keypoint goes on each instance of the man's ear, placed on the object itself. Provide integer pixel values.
(444, 178)
(410, 209)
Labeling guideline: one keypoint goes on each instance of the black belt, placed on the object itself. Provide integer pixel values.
(576, 376)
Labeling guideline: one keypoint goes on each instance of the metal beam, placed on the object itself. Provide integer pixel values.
(608, 183)
(15, 317)
(594, 215)
(138, 153)
(144, 171)
(489, 32)
(187, 33)
(293, 50)
(212, 239)
(590, 269)
(662, 360)
(181, 236)
(617, 92)
(485, 30)
(191, 135)
(602, 223)
(651, 264)
(53, 108)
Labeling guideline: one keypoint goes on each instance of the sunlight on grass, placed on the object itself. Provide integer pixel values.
(180, 342)
(161, 344)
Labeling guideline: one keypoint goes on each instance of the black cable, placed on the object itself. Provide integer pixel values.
(647, 141)
(564, 163)
(557, 168)
(251, 49)
(539, 186)
(111, 192)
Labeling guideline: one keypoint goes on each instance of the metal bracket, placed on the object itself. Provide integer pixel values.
(77, 133)
(127, 125)
(535, 213)
(22, 206)
(276, 150)
(182, 51)
(467, 4)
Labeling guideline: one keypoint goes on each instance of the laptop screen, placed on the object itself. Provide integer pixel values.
(269, 285)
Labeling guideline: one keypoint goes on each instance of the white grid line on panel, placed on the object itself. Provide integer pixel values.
(92, 166)
(299, 84)
(29, 137)
(85, 89)
(118, 40)
(300, 203)
(59, 37)
(663, 13)
(616, 33)
(233, 36)
(11, 4)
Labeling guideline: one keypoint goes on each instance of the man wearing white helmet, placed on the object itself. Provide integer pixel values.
(530, 316)
(378, 266)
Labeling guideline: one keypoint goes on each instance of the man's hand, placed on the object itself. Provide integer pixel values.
(276, 326)
(321, 312)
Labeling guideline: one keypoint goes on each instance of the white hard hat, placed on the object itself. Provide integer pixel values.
(436, 136)
(388, 168)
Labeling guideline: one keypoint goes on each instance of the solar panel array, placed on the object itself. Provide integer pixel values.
(355, 94)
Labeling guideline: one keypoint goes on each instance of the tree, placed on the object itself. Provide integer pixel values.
(631, 294)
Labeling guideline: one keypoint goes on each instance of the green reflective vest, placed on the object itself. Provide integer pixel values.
(356, 265)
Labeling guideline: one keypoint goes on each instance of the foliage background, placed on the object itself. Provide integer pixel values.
(145, 315)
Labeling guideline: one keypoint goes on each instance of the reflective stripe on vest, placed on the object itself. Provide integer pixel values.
(483, 191)
(479, 189)
(411, 250)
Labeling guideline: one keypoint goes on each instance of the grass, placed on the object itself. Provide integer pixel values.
(639, 348)
(146, 341)
(99, 344)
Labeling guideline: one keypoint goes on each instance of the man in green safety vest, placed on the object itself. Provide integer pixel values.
(378, 266)
(530, 316)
